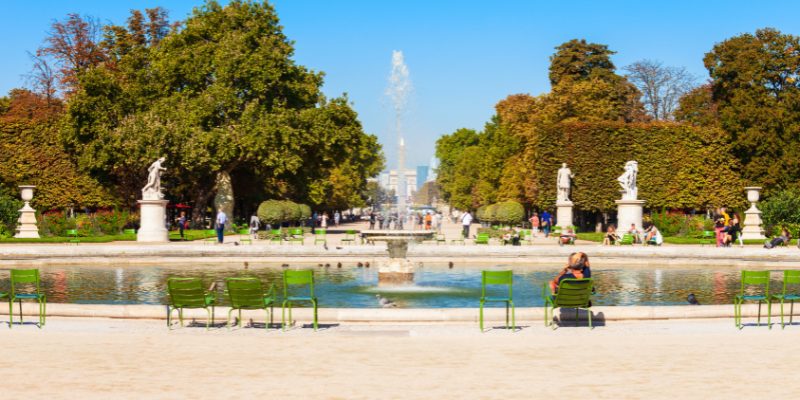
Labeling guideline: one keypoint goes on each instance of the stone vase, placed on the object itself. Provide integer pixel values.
(26, 226)
(752, 217)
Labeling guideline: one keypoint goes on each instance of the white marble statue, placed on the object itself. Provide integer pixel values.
(564, 180)
(628, 181)
(152, 190)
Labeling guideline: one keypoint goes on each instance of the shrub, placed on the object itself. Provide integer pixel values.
(509, 213)
(490, 214)
(480, 214)
(55, 223)
(291, 211)
(782, 208)
(9, 213)
(305, 211)
(271, 212)
(110, 222)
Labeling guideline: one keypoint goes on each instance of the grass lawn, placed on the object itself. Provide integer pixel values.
(598, 237)
(191, 234)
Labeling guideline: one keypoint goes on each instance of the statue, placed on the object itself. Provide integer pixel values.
(152, 190)
(628, 181)
(564, 180)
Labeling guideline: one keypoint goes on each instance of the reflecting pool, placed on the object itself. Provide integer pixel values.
(436, 286)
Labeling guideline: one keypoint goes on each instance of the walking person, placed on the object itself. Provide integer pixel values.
(336, 218)
(437, 219)
(255, 224)
(534, 224)
(324, 223)
(371, 221)
(546, 223)
(182, 221)
(466, 221)
(220, 221)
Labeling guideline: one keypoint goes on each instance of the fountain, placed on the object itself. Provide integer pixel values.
(398, 270)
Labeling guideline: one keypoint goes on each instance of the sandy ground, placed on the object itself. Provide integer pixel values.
(120, 359)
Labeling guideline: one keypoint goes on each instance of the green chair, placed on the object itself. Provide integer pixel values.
(752, 280)
(247, 293)
(244, 236)
(296, 235)
(293, 281)
(212, 236)
(571, 293)
(790, 277)
(275, 235)
(189, 293)
(708, 237)
(627, 239)
(349, 237)
(72, 235)
(482, 238)
(498, 278)
(129, 231)
(25, 286)
(320, 236)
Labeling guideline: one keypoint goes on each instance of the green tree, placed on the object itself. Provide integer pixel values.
(577, 60)
(754, 87)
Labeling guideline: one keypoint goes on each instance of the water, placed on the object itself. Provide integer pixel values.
(352, 287)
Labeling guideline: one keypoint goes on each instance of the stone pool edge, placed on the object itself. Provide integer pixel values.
(524, 315)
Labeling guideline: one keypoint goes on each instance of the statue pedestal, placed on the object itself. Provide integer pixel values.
(629, 212)
(564, 213)
(153, 217)
(752, 224)
(27, 223)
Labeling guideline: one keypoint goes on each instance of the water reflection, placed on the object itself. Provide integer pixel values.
(350, 286)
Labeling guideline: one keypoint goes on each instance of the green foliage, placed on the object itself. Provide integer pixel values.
(100, 223)
(305, 212)
(271, 212)
(291, 211)
(9, 213)
(755, 92)
(509, 213)
(578, 60)
(680, 225)
(490, 213)
(780, 209)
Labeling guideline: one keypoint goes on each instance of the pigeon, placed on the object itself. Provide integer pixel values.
(338, 265)
(235, 243)
(450, 264)
(319, 265)
(327, 265)
(384, 302)
(366, 265)
(360, 264)
(246, 264)
(284, 265)
(692, 299)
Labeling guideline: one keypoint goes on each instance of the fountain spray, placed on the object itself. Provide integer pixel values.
(399, 90)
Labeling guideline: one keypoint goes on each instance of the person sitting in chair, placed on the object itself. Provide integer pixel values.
(577, 268)
(611, 236)
(653, 236)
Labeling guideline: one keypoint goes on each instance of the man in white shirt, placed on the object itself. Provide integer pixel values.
(221, 220)
(466, 221)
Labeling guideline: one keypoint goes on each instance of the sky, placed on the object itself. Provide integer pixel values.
(463, 56)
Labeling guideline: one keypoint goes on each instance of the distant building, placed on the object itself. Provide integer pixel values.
(434, 166)
(422, 175)
(388, 180)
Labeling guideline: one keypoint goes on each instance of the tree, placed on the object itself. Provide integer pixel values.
(754, 85)
(697, 107)
(661, 86)
(578, 60)
(74, 45)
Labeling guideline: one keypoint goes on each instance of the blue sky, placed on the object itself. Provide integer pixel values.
(463, 56)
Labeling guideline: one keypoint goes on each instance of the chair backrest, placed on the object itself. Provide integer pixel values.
(186, 292)
(129, 231)
(755, 278)
(303, 277)
(497, 278)
(626, 239)
(790, 277)
(296, 232)
(482, 237)
(72, 232)
(574, 293)
(245, 231)
(245, 292)
(25, 277)
(211, 232)
(320, 232)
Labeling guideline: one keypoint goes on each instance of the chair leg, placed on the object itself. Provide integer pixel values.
(10, 312)
(241, 324)
(266, 319)
(506, 315)
(229, 318)
(480, 315)
(791, 311)
(208, 318)
(314, 302)
(21, 321)
(589, 311)
(782, 324)
(180, 316)
(759, 313)
(769, 313)
(283, 315)
(513, 318)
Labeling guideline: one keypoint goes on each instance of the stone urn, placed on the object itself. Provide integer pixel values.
(752, 217)
(27, 220)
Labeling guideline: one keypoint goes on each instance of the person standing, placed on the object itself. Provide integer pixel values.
(534, 224)
(466, 221)
(546, 223)
(255, 223)
(437, 219)
(324, 224)
(220, 221)
(371, 221)
(336, 218)
(182, 224)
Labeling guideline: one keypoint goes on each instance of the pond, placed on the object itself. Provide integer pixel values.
(436, 286)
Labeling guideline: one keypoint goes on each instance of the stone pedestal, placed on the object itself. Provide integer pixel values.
(26, 224)
(564, 214)
(395, 271)
(153, 217)
(629, 212)
(752, 217)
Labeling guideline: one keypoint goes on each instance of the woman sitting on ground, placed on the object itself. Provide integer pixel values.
(567, 237)
(784, 238)
(611, 236)
(577, 268)
(653, 236)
